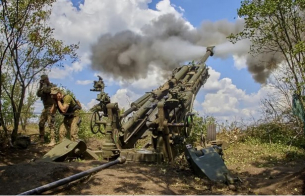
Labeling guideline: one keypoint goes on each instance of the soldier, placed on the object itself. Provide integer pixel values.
(44, 93)
(69, 108)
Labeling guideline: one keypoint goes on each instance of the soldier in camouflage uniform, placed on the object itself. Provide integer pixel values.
(69, 108)
(44, 93)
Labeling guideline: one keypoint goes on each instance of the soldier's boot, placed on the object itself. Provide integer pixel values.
(52, 137)
(52, 143)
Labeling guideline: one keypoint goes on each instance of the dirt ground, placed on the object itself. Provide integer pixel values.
(20, 171)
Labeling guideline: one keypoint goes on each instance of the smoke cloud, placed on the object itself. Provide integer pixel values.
(168, 41)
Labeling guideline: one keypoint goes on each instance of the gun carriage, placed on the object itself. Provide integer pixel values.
(165, 112)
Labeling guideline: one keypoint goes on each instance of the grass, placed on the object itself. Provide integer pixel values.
(254, 151)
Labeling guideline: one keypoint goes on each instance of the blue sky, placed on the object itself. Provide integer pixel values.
(230, 90)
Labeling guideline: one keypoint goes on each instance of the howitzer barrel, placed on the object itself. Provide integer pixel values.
(207, 54)
(151, 101)
(196, 76)
(138, 114)
(181, 73)
(183, 85)
(137, 104)
(72, 178)
(202, 68)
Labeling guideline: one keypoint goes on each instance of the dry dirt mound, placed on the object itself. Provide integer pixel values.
(18, 173)
(23, 177)
(129, 178)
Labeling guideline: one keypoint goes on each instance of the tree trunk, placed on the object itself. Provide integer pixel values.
(15, 129)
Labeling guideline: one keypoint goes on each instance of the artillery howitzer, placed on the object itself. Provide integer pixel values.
(165, 113)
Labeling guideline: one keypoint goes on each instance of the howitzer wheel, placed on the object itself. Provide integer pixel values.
(188, 123)
(95, 123)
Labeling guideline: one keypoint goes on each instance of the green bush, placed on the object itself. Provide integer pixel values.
(274, 133)
(85, 130)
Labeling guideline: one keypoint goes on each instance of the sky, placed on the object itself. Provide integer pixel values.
(231, 92)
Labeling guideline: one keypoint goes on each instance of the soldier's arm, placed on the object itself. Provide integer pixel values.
(62, 106)
(39, 92)
(46, 89)
(67, 100)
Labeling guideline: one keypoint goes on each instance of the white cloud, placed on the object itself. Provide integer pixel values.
(226, 102)
(240, 62)
(84, 82)
(124, 97)
(68, 70)
(90, 104)
(166, 7)
(181, 9)
(213, 83)
(96, 17)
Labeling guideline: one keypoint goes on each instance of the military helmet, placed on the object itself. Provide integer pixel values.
(55, 90)
(43, 77)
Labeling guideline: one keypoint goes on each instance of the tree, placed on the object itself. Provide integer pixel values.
(27, 48)
(277, 106)
(28, 109)
(277, 27)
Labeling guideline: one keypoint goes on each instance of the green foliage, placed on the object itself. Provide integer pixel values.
(253, 152)
(85, 130)
(266, 145)
(273, 133)
(28, 109)
(199, 128)
(27, 48)
(277, 26)
(6, 107)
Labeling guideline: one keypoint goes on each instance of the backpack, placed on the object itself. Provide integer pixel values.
(78, 103)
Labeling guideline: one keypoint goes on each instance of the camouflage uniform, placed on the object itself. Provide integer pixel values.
(70, 126)
(44, 94)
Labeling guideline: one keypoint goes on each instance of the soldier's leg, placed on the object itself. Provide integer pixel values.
(62, 130)
(74, 128)
(51, 124)
(42, 121)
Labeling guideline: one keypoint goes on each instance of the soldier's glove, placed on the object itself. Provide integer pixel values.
(46, 89)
